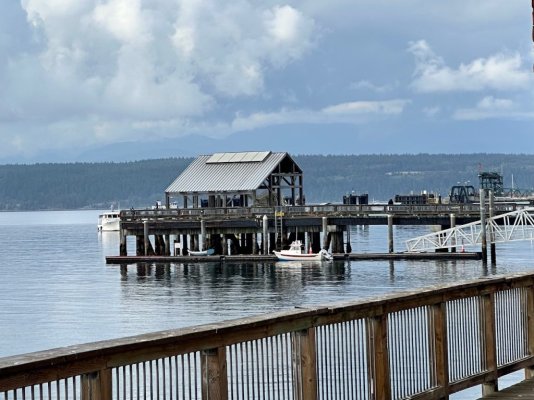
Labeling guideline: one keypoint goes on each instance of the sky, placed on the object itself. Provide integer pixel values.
(114, 80)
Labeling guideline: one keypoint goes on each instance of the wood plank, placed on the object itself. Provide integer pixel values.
(522, 390)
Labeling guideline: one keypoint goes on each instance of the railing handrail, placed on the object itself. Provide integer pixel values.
(34, 368)
(314, 209)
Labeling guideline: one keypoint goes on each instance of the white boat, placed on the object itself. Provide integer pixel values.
(201, 253)
(109, 221)
(294, 253)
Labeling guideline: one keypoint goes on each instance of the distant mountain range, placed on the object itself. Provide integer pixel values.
(327, 178)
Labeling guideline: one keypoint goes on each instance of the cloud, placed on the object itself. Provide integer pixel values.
(490, 107)
(389, 107)
(356, 112)
(365, 84)
(503, 72)
(431, 111)
(96, 71)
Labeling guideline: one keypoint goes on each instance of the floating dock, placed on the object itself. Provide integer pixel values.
(272, 258)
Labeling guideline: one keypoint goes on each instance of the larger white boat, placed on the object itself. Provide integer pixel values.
(109, 221)
(295, 253)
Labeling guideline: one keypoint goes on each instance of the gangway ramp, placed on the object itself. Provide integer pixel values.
(513, 226)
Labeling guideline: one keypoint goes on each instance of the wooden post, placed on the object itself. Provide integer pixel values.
(224, 245)
(184, 245)
(145, 236)
(493, 250)
(167, 245)
(453, 225)
(483, 226)
(202, 243)
(123, 248)
(490, 343)
(97, 385)
(529, 371)
(439, 352)
(316, 242)
(325, 233)
(214, 378)
(378, 349)
(304, 364)
(390, 233)
(265, 226)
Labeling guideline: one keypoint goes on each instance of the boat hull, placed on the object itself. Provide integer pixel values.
(108, 226)
(203, 253)
(298, 257)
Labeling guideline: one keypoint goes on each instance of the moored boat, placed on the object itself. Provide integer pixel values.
(109, 221)
(201, 253)
(295, 253)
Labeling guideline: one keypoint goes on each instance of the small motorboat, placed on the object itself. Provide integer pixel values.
(295, 253)
(201, 253)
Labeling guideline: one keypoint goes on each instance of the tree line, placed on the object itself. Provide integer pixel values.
(327, 178)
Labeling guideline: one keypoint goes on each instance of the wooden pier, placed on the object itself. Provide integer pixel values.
(425, 344)
(260, 230)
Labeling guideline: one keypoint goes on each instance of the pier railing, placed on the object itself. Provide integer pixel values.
(330, 210)
(425, 344)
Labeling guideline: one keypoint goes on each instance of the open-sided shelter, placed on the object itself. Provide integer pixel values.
(245, 179)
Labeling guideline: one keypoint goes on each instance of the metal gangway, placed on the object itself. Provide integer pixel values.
(513, 226)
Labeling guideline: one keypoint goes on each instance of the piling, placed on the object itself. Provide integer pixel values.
(390, 233)
(122, 248)
(145, 236)
(265, 235)
(483, 226)
(325, 233)
(202, 235)
(493, 250)
(453, 239)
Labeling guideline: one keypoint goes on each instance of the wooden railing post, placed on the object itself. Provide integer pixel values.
(440, 350)
(529, 371)
(214, 377)
(490, 344)
(304, 364)
(378, 351)
(97, 385)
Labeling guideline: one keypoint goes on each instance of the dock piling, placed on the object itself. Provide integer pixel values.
(483, 226)
(390, 234)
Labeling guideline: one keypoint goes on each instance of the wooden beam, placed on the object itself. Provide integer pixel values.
(214, 378)
(488, 335)
(97, 385)
(305, 364)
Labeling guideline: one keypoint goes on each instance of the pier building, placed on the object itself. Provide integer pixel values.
(251, 203)
(259, 178)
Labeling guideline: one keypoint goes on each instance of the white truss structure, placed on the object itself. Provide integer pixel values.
(512, 226)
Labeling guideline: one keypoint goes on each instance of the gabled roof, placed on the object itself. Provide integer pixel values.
(227, 172)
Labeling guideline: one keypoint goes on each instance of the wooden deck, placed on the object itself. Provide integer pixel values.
(522, 390)
(272, 258)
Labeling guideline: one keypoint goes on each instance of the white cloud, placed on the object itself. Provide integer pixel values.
(387, 107)
(233, 45)
(490, 108)
(431, 111)
(356, 112)
(100, 70)
(365, 84)
(501, 71)
(124, 19)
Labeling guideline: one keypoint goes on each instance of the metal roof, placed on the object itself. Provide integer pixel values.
(249, 156)
(226, 172)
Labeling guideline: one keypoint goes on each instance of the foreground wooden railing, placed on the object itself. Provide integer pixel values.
(425, 344)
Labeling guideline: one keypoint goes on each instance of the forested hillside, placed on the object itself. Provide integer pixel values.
(326, 178)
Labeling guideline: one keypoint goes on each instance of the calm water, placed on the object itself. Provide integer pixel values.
(56, 289)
